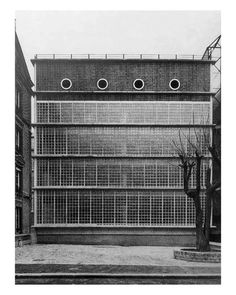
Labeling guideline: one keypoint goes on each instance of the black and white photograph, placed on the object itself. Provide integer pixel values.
(117, 147)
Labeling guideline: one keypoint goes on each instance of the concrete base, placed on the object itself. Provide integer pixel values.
(116, 236)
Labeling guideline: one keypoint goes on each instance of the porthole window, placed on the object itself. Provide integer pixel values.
(66, 83)
(174, 84)
(102, 84)
(138, 84)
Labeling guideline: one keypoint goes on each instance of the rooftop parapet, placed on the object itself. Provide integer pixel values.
(123, 57)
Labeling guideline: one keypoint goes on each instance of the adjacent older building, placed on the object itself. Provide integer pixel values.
(23, 93)
(105, 169)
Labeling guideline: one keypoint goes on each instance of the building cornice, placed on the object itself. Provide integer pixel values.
(125, 92)
(143, 58)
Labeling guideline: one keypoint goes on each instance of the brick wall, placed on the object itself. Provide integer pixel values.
(25, 111)
(26, 207)
(23, 119)
(27, 159)
(193, 75)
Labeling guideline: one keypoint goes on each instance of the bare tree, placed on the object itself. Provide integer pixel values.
(190, 153)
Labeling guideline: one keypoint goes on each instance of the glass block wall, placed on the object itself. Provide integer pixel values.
(113, 163)
(129, 112)
(115, 208)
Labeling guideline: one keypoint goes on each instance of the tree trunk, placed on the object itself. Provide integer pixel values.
(202, 244)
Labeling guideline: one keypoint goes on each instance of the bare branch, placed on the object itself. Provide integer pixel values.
(176, 147)
(182, 145)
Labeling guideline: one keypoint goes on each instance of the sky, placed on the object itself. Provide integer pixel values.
(163, 32)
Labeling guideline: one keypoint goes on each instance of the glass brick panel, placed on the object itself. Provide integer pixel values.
(150, 175)
(66, 112)
(168, 208)
(108, 208)
(66, 172)
(78, 173)
(84, 144)
(42, 172)
(162, 175)
(156, 208)
(60, 141)
(60, 207)
(48, 208)
(42, 112)
(40, 140)
(132, 208)
(116, 208)
(180, 208)
(39, 210)
(138, 175)
(54, 172)
(72, 141)
(54, 112)
(48, 141)
(72, 207)
(90, 113)
(97, 208)
(90, 174)
(144, 208)
(93, 112)
(114, 173)
(121, 208)
(78, 112)
(120, 141)
(84, 207)
(103, 175)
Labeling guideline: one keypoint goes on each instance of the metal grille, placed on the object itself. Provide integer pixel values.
(113, 173)
(115, 208)
(117, 141)
(91, 112)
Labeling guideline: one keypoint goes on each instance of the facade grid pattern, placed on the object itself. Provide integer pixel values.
(133, 141)
(106, 189)
(113, 173)
(91, 112)
(115, 208)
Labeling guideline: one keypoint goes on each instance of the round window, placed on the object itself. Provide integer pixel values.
(138, 84)
(66, 83)
(174, 84)
(102, 84)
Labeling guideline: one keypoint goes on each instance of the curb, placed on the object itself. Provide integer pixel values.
(114, 275)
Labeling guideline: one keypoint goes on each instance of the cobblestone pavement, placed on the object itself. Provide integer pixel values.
(102, 255)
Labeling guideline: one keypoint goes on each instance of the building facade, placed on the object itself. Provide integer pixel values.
(106, 171)
(23, 94)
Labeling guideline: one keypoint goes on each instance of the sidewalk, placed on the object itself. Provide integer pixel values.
(104, 255)
(109, 264)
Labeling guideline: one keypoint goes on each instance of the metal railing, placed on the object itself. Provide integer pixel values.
(121, 56)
